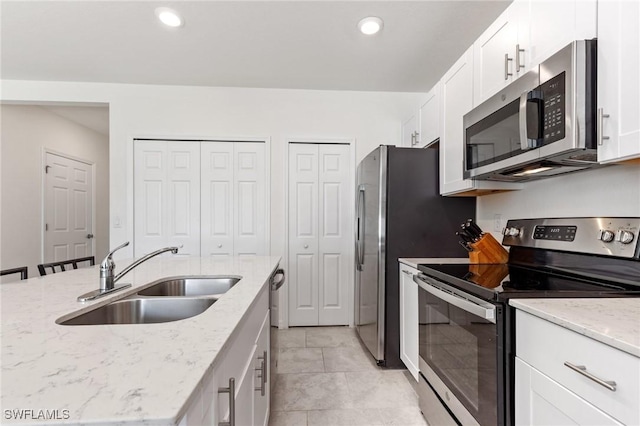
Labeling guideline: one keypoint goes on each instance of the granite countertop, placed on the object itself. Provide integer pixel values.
(137, 374)
(615, 322)
(415, 261)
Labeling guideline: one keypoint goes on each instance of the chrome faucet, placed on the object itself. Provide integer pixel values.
(107, 268)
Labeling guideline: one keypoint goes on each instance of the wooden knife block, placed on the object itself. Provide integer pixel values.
(487, 250)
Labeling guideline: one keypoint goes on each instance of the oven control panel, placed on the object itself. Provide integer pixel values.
(606, 236)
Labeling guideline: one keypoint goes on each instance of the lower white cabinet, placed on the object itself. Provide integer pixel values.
(563, 377)
(241, 371)
(409, 319)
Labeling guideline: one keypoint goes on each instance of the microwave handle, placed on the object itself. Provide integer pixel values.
(522, 115)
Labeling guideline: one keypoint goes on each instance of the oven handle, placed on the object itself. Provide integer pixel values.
(456, 298)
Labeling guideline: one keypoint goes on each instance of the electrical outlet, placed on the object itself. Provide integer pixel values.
(497, 223)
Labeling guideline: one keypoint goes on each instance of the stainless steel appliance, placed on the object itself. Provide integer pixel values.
(276, 281)
(467, 328)
(399, 214)
(543, 124)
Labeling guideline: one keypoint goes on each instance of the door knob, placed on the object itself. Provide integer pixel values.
(306, 246)
(89, 236)
(219, 245)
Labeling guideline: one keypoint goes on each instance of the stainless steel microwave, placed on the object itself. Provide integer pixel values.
(541, 125)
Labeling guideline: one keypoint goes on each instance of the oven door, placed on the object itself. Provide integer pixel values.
(458, 347)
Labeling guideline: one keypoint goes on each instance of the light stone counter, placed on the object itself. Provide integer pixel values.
(415, 261)
(615, 322)
(106, 374)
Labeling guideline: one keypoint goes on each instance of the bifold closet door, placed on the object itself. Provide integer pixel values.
(234, 186)
(320, 242)
(166, 196)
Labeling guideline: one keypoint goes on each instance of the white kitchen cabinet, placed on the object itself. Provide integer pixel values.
(210, 197)
(409, 319)
(456, 100)
(429, 118)
(234, 185)
(410, 133)
(542, 401)
(239, 361)
(166, 196)
(527, 33)
(495, 52)
(548, 391)
(262, 362)
(554, 24)
(618, 81)
(320, 234)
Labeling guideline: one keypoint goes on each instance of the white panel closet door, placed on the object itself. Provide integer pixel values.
(303, 234)
(166, 196)
(320, 255)
(334, 243)
(217, 199)
(250, 226)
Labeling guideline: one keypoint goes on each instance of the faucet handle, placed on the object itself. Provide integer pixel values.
(107, 263)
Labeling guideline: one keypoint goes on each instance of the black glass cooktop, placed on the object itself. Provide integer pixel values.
(503, 281)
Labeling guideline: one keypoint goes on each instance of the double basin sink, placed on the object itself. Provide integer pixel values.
(165, 301)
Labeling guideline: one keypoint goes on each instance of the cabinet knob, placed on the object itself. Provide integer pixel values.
(306, 246)
(219, 245)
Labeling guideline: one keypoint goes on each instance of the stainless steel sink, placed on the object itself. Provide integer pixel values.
(192, 286)
(143, 311)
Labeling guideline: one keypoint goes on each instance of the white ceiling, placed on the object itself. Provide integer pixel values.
(270, 44)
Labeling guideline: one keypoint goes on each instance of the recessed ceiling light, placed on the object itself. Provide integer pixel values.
(169, 17)
(370, 25)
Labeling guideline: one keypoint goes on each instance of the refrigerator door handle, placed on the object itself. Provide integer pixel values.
(360, 229)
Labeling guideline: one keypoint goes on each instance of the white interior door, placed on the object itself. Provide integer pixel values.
(335, 261)
(250, 227)
(167, 196)
(320, 258)
(68, 209)
(303, 234)
(217, 199)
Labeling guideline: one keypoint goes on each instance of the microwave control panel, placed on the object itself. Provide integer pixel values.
(553, 118)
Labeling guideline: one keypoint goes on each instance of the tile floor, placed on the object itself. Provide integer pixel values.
(325, 377)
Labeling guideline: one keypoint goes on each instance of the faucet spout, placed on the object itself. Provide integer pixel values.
(143, 259)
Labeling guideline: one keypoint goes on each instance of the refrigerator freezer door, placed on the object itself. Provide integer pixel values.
(370, 271)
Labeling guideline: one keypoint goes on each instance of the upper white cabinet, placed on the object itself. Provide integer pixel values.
(527, 33)
(554, 24)
(410, 132)
(455, 102)
(210, 197)
(618, 80)
(494, 52)
(429, 118)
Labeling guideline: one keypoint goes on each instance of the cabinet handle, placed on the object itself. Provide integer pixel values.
(507, 59)
(231, 390)
(581, 369)
(262, 373)
(519, 51)
(413, 138)
(416, 138)
(600, 136)
(407, 272)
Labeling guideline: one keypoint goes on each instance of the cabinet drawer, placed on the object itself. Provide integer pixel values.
(547, 346)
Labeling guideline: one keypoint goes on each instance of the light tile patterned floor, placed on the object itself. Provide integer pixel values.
(325, 377)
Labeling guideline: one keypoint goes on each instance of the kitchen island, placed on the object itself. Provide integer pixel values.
(124, 374)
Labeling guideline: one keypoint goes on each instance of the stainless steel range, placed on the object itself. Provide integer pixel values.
(467, 328)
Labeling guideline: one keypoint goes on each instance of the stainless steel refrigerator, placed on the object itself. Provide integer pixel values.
(399, 213)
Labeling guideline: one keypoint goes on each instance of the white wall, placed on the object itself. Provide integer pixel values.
(369, 118)
(609, 191)
(26, 132)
